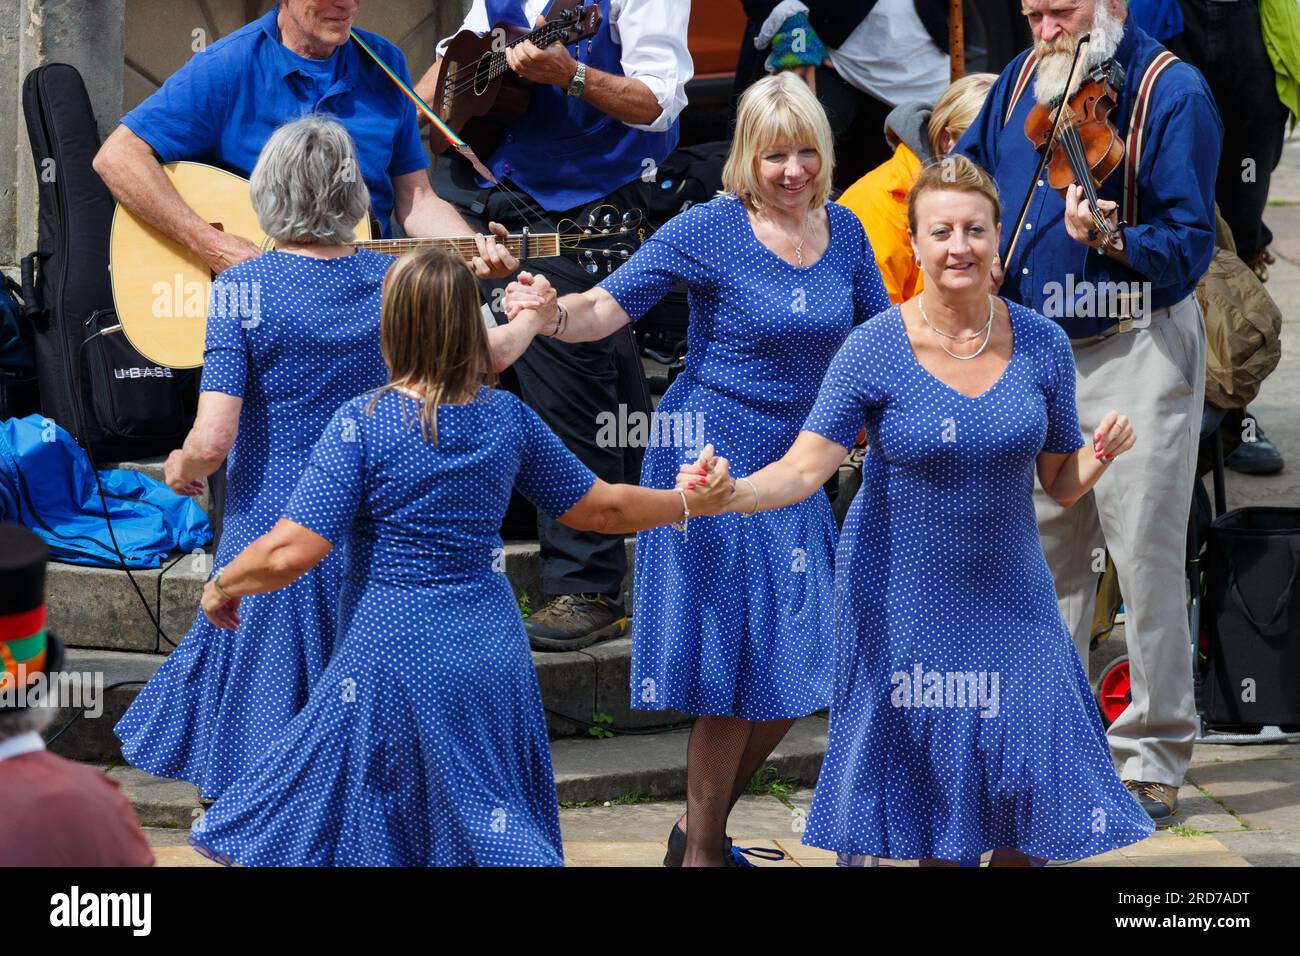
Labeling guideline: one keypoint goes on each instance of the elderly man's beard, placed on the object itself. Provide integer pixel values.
(1054, 58)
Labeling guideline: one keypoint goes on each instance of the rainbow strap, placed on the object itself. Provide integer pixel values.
(23, 643)
(461, 146)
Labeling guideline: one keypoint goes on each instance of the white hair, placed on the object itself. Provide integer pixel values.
(307, 184)
(1054, 68)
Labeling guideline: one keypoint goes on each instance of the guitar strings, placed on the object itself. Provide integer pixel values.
(497, 65)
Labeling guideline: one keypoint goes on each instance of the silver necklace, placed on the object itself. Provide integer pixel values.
(986, 332)
(803, 230)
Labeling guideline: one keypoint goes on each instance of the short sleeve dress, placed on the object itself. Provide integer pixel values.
(962, 719)
(424, 742)
(294, 337)
(737, 617)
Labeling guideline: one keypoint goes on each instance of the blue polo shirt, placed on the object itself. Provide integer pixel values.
(1172, 242)
(223, 104)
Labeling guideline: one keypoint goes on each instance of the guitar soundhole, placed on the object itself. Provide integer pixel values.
(482, 74)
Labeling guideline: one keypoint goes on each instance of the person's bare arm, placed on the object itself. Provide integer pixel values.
(808, 465)
(1067, 478)
(625, 98)
(510, 341)
(207, 444)
(276, 559)
(130, 169)
(621, 509)
(592, 315)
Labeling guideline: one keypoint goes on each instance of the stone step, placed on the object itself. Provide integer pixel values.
(153, 467)
(586, 771)
(99, 607)
(576, 686)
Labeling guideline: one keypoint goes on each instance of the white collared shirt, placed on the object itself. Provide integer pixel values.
(652, 34)
(27, 743)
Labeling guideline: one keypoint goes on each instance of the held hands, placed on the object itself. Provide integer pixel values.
(707, 483)
(222, 612)
(549, 64)
(1080, 222)
(532, 294)
(1113, 437)
(493, 261)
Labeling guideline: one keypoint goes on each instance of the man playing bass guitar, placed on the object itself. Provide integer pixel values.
(595, 131)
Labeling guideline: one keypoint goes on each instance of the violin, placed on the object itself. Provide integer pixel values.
(1088, 148)
(1076, 141)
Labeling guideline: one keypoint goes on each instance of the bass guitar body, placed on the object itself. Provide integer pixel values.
(160, 288)
(477, 94)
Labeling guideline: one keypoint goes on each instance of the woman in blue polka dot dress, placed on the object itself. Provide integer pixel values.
(962, 720)
(424, 742)
(290, 335)
(736, 624)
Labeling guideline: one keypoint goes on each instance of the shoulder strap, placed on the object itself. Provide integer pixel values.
(1022, 82)
(1137, 132)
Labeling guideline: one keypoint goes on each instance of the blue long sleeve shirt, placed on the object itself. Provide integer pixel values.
(1170, 244)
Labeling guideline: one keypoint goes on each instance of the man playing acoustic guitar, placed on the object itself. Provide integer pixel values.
(224, 103)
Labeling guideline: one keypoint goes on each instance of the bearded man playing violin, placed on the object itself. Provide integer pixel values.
(1119, 276)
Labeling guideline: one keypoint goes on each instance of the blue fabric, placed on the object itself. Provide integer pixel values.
(737, 618)
(1161, 19)
(47, 484)
(1173, 241)
(563, 151)
(15, 353)
(311, 342)
(940, 574)
(224, 103)
(424, 743)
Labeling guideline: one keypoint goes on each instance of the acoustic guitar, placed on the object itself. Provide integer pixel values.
(161, 289)
(477, 94)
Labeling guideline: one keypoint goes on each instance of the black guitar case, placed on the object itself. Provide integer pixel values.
(117, 404)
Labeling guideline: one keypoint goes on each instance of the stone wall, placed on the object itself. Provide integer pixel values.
(126, 48)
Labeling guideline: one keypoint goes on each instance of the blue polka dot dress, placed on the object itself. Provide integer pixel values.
(424, 742)
(962, 719)
(293, 337)
(737, 618)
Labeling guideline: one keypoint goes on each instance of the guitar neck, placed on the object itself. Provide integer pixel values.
(541, 245)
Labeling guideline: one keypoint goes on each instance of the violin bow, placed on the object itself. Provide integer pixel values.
(1079, 49)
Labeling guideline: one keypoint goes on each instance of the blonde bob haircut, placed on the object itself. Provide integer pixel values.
(778, 109)
(954, 173)
(957, 107)
(431, 333)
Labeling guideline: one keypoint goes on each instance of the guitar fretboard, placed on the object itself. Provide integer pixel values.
(540, 246)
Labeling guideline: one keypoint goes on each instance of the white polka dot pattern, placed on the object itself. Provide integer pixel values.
(424, 743)
(295, 338)
(738, 619)
(961, 719)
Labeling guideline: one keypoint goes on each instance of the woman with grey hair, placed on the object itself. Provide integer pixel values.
(291, 335)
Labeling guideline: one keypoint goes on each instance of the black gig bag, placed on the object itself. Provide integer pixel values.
(116, 403)
(1253, 618)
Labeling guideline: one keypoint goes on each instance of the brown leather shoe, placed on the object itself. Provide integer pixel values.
(1159, 800)
(568, 622)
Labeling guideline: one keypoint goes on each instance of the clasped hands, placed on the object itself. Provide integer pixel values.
(532, 297)
(708, 483)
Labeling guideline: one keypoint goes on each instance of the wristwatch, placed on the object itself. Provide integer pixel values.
(579, 80)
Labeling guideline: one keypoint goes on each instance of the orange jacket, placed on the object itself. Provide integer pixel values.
(879, 199)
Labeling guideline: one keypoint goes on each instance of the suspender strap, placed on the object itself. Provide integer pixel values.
(1022, 82)
(1136, 139)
